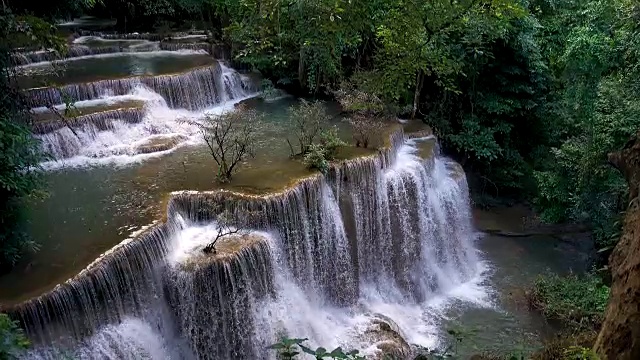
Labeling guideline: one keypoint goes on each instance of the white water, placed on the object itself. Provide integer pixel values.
(443, 270)
(119, 145)
(86, 39)
(300, 310)
(140, 93)
(301, 313)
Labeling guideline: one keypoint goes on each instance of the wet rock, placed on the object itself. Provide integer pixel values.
(161, 143)
(619, 337)
(385, 335)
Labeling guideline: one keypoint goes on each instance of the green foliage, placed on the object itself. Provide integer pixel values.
(316, 144)
(289, 349)
(316, 158)
(580, 353)
(268, 90)
(578, 301)
(597, 110)
(319, 155)
(19, 151)
(330, 141)
(12, 339)
(305, 40)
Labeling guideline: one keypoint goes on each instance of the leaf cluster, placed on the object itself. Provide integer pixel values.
(13, 341)
(289, 349)
(578, 301)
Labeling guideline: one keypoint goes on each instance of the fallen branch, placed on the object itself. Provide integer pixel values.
(63, 119)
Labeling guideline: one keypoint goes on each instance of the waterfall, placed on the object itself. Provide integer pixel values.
(169, 46)
(196, 89)
(102, 120)
(24, 58)
(121, 282)
(82, 50)
(364, 257)
(76, 51)
(172, 103)
(231, 283)
(110, 135)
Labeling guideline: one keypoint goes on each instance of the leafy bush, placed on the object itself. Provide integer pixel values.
(268, 90)
(290, 348)
(19, 151)
(316, 158)
(12, 338)
(579, 301)
(330, 141)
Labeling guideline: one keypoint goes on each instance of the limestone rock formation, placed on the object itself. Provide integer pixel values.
(215, 295)
(619, 338)
(384, 335)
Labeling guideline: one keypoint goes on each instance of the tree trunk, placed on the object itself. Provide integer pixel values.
(416, 94)
(301, 77)
(619, 338)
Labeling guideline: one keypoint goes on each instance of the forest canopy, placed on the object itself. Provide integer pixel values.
(529, 96)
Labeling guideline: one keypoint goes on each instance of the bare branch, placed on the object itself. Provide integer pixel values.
(365, 128)
(230, 223)
(231, 139)
(55, 111)
(308, 119)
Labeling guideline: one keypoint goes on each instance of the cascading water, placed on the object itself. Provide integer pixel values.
(365, 257)
(129, 135)
(185, 46)
(40, 57)
(102, 120)
(24, 58)
(196, 89)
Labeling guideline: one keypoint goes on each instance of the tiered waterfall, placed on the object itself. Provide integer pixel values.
(332, 258)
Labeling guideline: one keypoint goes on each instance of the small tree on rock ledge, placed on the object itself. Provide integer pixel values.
(229, 221)
(309, 119)
(365, 128)
(231, 139)
(368, 113)
(227, 224)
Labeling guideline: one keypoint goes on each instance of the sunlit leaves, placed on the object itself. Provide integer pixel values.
(289, 349)
(12, 338)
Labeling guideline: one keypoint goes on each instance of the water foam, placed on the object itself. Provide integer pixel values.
(312, 276)
(120, 145)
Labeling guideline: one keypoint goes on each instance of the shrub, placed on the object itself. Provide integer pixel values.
(330, 141)
(308, 118)
(365, 128)
(316, 158)
(12, 338)
(579, 301)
